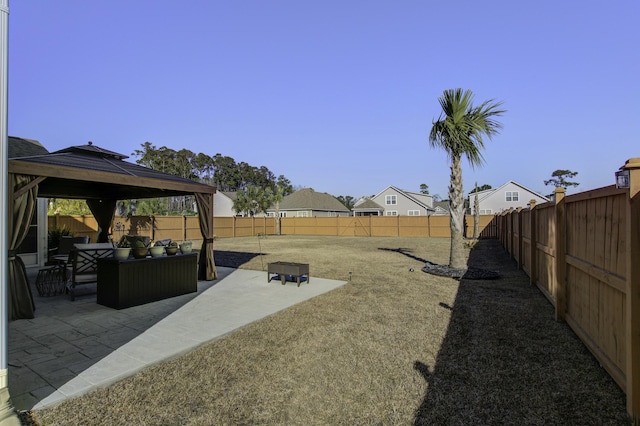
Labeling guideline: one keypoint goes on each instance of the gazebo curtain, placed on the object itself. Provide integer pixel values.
(103, 211)
(22, 200)
(207, 267)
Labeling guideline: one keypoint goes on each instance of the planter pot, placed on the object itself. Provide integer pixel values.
(171, 250)
(156, 251)
(185, 248)
(140, 253)
(122, 253)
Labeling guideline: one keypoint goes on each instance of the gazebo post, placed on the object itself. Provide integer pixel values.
(8, 415)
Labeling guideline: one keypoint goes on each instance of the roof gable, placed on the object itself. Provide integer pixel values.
(369, 204)
(482, 195)
(414, 197)
(229, 194)
(441, 205)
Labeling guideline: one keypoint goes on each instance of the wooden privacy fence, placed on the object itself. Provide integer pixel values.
(179, 228)
(358, 226)
(583, 252)
(188, 228)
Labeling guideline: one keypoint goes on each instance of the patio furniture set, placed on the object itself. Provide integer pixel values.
(120, 283)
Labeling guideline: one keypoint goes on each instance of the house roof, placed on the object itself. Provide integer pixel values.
(308, 199)
(91, 172)
(368, 204)
(230, 194)
(413, 196)
(441, 205)
(21, 147)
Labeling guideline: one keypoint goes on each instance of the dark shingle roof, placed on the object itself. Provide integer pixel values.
(368, 204)
(88, 171)
(21, 147)
(442, 204)
(230, 195)
(308, 199)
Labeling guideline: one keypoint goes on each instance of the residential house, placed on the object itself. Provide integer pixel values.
(367, 207)
(309, 203)
(510, 195)
(393, 201)
(441, 208)
(223, 202)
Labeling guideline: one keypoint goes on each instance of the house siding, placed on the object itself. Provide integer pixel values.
(403, 203)
(496, 201)
(222, 205)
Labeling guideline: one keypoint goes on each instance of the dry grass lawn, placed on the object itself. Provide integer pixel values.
(392, 347)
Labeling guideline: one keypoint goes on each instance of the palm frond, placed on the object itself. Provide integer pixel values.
(461, 127)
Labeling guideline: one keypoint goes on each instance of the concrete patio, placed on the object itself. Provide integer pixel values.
(70, 348)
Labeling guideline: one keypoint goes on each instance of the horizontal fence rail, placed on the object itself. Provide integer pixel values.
(583, 252)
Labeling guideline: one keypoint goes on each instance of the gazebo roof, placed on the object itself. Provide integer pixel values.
(91, 172)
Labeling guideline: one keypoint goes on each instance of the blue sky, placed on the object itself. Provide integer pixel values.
(338, 96)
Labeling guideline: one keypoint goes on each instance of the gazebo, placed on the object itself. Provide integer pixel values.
(101, 177)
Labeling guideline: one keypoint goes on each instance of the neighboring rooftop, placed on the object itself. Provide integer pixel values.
(308, 199)
(21, 147)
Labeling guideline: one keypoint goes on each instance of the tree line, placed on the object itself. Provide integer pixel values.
(256, 187)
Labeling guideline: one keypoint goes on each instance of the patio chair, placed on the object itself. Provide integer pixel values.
(84, 264)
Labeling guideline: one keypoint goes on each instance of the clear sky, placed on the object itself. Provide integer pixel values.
(338, 96)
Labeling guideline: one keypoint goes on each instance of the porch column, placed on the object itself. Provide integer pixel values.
(8, 416)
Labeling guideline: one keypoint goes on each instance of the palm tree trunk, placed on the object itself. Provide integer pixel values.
(456, 205)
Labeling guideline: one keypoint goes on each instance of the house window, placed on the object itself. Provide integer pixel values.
(511, 196)
(413, 212)
(391, 200)
(488, 211)
(271, 214)
(302, 214)
(391, 213)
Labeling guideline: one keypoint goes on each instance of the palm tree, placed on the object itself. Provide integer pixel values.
(459, 131)
(275, 197)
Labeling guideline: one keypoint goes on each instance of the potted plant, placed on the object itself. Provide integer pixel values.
(186, 247)
(139, 249)
(172, 248)
(122, 250)
(55, 234)
(157, 250)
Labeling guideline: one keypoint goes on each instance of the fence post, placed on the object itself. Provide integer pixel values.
(533, 259)
(519, 217)
(633, 291)
(560, 251)
(511, 234)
